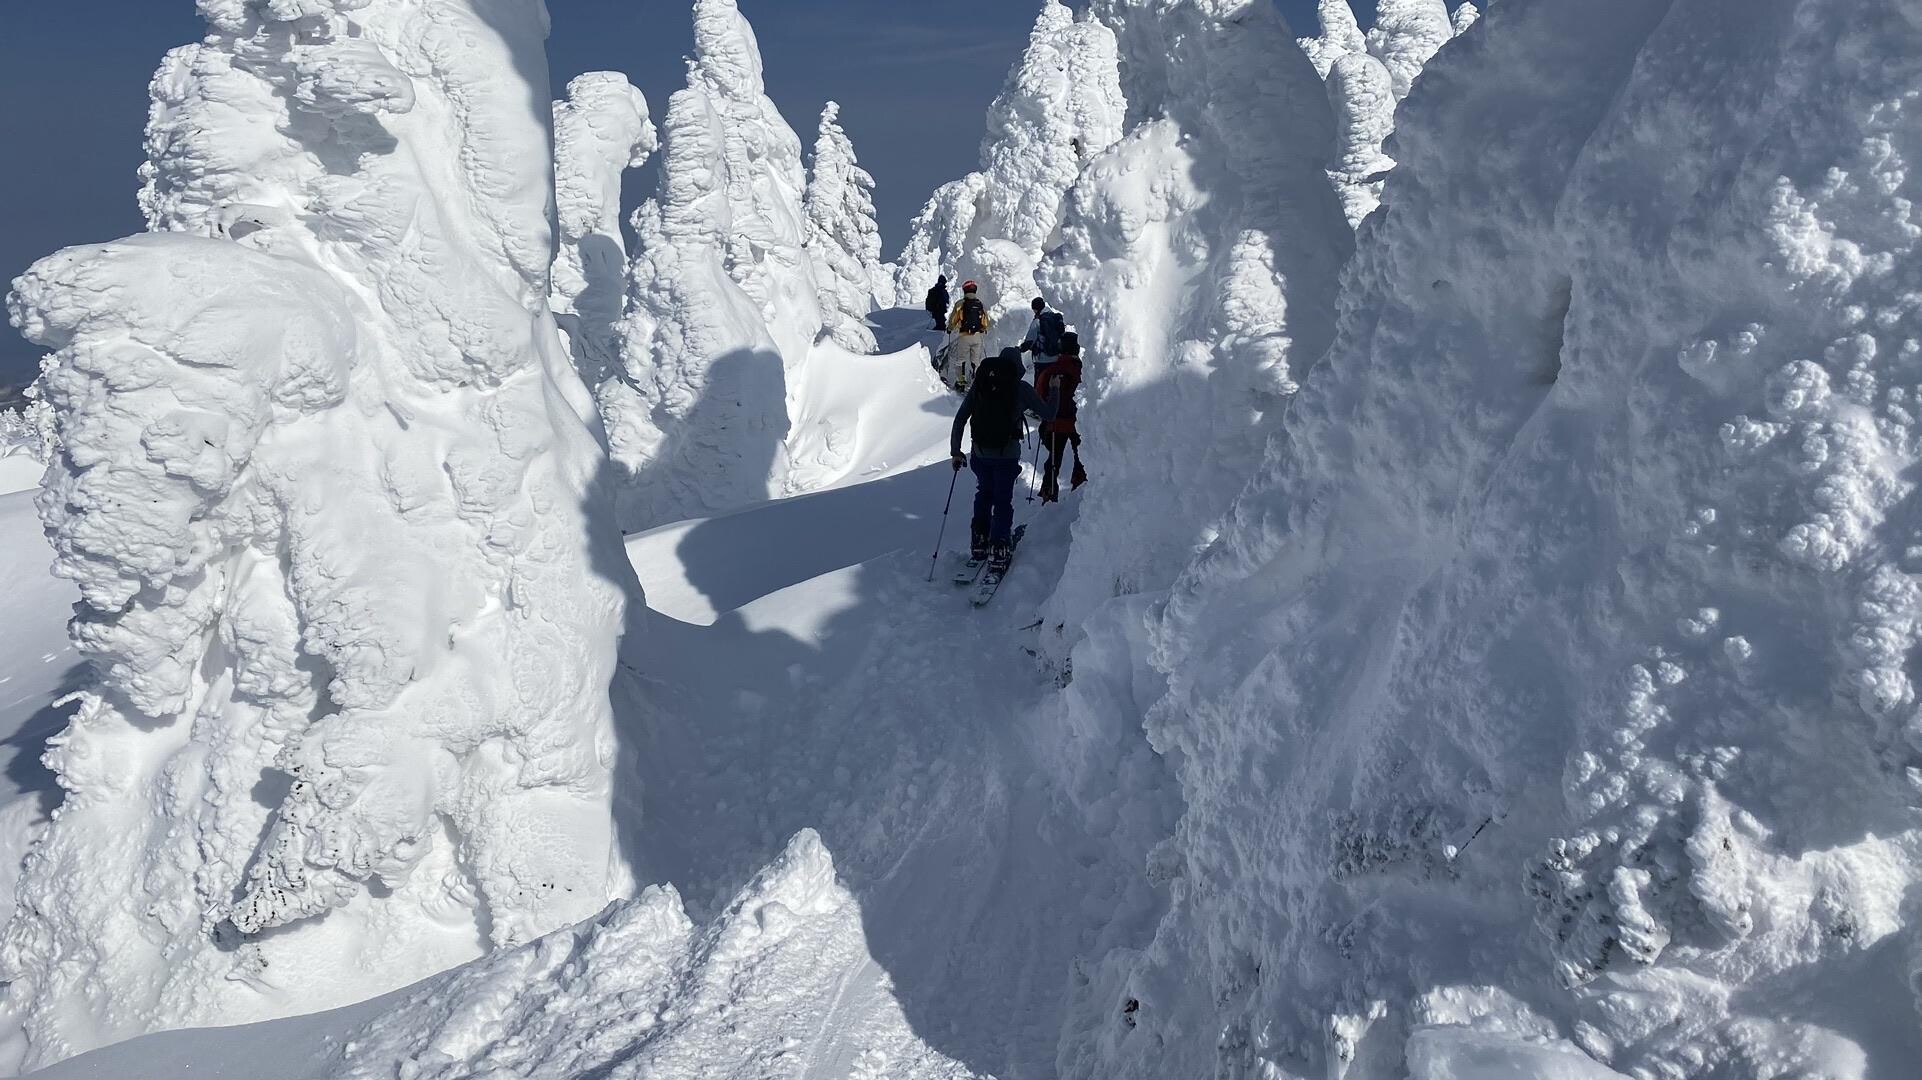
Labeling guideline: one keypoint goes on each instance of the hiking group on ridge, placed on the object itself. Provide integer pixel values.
(997, 400)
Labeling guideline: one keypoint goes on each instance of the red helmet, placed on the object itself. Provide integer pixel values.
(970, 287)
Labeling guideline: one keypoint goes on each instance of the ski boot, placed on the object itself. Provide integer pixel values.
(978, 545)
(1000, 557)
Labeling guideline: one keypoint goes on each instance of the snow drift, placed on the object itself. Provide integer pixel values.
(325, 485)
(1061, 107)
(1544, 708)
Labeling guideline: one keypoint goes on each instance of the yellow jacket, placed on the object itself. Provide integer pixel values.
(954, 320)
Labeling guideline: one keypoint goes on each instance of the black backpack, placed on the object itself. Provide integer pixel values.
(974, 316)
(996, 420)
(1053, 327)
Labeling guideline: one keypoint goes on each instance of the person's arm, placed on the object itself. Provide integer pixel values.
(1031, 401)
(1032, 343)
(954, 318)
(960, 424)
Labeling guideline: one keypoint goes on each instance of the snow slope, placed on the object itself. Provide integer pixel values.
(324, 465)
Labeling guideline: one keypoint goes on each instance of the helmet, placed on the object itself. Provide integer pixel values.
(1039, 305)
(969, 286)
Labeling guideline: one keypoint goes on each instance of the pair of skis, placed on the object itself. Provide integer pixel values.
(988, 584)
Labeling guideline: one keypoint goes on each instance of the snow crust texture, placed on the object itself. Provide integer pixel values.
(601, 130)
(325, 484)
(1542, 708)
(1062, 107)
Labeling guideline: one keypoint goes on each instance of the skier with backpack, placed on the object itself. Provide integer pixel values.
(1058, 382)
(938, 303)
(1044, 337)
(970, 320)
(995, 413)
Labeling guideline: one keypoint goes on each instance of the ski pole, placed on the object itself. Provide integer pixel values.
(1037, 469)
(943, 538)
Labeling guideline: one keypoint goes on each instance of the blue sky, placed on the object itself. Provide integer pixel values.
(914, 81)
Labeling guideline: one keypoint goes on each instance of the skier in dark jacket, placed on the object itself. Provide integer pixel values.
(1044, 337)
(996, 407)
(939, 302)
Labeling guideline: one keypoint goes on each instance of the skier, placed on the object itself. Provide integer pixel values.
(1057, 382)
(970, 320)
(938, 303)
(994, 409)
(1044, 337)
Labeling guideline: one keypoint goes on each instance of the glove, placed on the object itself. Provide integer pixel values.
(960, 462)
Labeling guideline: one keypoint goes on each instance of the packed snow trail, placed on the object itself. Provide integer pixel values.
(890, 715)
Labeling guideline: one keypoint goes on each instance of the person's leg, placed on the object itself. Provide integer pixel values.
(1057, 444)
(981, 527)
(1007, 472)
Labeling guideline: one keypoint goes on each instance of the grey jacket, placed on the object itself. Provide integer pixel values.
(1029, 402)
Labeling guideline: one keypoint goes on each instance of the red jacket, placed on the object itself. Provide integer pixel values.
(1063, 377)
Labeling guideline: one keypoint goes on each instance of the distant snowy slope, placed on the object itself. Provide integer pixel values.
(326, 485)
(1551, 687)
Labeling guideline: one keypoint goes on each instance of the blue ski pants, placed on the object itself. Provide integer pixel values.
(994, 480)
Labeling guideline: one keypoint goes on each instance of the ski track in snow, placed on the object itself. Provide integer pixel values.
(894, 728)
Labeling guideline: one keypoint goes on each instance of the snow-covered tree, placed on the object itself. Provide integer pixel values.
(843, 238)
(1362, 93)
(1368, 77)
(1406, 35)
(1465, 16)
(723, 303)
(1061, 107)
(601, 130)
(1340, 36)
(327, 487)
(1200, 259)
